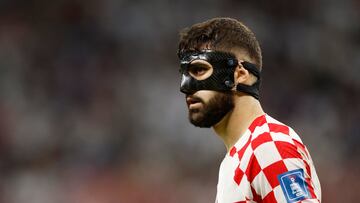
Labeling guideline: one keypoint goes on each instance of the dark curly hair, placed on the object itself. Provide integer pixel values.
(221, 34)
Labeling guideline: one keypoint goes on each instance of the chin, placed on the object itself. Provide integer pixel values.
(198, 120)
(195, 117)
(211, 113)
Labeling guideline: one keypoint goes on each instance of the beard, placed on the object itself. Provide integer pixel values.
(212, 112)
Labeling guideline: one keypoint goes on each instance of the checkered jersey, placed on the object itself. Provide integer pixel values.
(269, 163)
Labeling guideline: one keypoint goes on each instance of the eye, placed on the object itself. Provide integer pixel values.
(200, 69)
(197, 71)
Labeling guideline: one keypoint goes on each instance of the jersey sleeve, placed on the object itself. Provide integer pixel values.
(281, 170)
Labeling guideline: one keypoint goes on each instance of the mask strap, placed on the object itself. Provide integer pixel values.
(253, 89)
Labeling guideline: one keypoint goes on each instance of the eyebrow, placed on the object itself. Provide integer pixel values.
(200, 62)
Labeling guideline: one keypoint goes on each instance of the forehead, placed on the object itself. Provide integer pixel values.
(207, 55)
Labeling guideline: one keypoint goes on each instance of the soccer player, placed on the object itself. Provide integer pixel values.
(266, 161)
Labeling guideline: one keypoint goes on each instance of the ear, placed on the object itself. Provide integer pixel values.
(241, 75)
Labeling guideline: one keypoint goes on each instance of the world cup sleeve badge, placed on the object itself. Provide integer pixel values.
(293, 185)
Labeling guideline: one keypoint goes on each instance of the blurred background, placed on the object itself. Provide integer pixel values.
(91, 110)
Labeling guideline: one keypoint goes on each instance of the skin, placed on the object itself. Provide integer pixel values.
(246, 109)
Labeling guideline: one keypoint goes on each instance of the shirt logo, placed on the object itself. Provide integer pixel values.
(293, 185)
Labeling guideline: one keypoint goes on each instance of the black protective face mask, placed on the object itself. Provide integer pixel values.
(222, 78)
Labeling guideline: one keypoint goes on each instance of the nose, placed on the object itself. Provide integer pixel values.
(186, 90)
(186, 85)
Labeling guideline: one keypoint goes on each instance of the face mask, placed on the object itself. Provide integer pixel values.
(222, 77)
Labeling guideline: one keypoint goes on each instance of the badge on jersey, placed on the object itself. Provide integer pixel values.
(293, 185)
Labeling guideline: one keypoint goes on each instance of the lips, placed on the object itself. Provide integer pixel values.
(190, 101)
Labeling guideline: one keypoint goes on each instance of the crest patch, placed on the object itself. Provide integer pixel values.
(293, 185)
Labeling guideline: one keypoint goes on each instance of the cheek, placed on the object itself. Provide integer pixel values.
(205, 95)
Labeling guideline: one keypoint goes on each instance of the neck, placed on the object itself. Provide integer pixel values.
(235, 123)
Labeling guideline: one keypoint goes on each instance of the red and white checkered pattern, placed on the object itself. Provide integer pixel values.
(267, 149)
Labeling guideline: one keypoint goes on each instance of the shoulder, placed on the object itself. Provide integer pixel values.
(268, 140)
(271, 150)
(272, 136)
(272, 147)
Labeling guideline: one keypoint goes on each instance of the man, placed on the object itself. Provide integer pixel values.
(266, 160)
